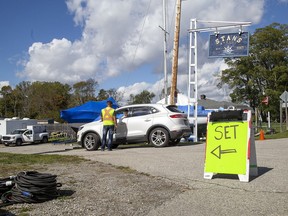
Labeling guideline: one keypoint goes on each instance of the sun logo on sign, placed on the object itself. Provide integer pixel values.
(228, 49)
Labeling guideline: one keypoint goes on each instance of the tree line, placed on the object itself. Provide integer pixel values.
(45, 100)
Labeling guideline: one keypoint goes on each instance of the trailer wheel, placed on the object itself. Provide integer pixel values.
(18, 142)
(44, 139)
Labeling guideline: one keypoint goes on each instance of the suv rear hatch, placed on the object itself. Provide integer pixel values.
(177, 116)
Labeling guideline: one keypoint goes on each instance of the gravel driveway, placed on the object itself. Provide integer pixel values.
(169, 181)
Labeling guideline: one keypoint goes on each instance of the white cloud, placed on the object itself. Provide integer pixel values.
(118, 37)
(207, 84)
(134, 89)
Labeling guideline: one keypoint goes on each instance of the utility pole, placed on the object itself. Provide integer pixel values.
(173, 92)
(165, 52)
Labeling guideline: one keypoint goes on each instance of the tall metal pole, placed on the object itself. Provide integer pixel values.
(286, 115)
(165, 52)
(281, 121)
(193, 77)
(173, 92)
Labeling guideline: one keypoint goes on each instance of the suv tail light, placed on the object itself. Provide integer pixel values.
(177, 116)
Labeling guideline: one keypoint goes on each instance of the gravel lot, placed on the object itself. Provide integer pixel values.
(95, 188)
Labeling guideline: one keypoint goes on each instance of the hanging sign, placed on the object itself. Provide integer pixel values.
(230, 148)
(229, 45)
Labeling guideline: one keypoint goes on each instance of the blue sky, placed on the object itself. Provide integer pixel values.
(117, 43)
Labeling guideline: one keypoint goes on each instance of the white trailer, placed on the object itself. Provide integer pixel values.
(8, 125)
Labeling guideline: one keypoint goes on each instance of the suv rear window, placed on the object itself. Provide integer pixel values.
(173, 108)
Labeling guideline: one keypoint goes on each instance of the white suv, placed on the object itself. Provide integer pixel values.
(157, 124)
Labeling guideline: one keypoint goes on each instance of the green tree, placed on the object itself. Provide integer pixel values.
(262, 73)
(142, 98)
(47, 99)
(39, 100)
(6, 105)
(84, 91)
(115, 94)
(102, 95)
(131, 99)
(22, 92)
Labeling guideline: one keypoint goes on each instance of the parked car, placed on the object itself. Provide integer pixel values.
(158, 124)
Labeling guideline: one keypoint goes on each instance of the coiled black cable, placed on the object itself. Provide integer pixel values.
(32, 187)
(3, 182)
(6, 184)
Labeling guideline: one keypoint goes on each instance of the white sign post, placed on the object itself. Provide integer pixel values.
(284, 97)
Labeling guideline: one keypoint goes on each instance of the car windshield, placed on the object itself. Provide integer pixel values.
(18, 131)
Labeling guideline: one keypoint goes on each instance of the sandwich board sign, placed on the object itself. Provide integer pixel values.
(230, 145)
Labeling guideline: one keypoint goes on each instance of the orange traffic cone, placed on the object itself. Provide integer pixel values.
(262, 135)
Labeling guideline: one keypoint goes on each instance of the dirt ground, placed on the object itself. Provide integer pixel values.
(94, 188)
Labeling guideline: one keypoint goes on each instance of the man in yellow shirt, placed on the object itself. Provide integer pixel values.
(108, 118)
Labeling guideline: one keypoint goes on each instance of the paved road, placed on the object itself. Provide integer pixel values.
(267, 194)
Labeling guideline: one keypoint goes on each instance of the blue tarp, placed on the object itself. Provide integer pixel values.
(86, 112)
(200, 110)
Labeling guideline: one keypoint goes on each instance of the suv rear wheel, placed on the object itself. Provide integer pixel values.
(91, 141)
(159, 137)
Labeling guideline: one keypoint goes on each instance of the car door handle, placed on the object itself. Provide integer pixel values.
(147, 120)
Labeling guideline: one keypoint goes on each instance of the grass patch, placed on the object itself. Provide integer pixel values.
(61, 140)
(64, 198)
(72, 181)
(11, 163)
(129, 170)
(125, 169)
(136, 145)
(13, 169)
(25, 210)
(10, 158)
(277, 135)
